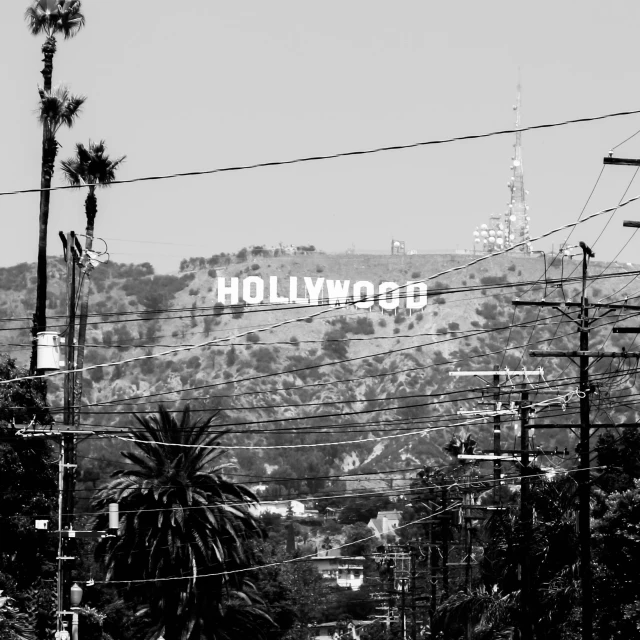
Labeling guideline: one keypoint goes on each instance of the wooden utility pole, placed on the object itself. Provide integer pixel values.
(68, 439)
(526, 521)
(583, 473)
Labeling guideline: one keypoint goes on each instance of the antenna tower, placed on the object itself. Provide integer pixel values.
(516, 218)
(505, 231)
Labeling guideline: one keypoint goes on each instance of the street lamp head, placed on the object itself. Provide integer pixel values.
(76, 595)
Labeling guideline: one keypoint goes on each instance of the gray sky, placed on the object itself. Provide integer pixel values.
(198, 85)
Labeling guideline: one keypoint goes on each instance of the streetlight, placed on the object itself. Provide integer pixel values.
(76, 599)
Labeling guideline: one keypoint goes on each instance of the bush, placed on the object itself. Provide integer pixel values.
(231, 357)
(319, 268)
(156, 292)
(489, 280)
(440, 300)
(193, 362)
(294, 341)
(212, 273)
(382, 323)
(453, 326)
(335, 344)
(511, 267)
(415, 274)
(238, 309)
(399, 319)
(255, 267)
(253, 338)
(193, 292)
(241, 256)
(218, 309)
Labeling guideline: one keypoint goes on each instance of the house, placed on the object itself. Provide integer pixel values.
(385, 523)
(339, 630)
(345, 571)
(280, 507)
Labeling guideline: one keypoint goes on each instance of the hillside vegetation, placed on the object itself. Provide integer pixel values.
(344, 375)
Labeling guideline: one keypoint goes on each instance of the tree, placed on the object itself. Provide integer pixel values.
(28, 480)
(51, 18)
(58, 108)
(183, 528)
(90, 166)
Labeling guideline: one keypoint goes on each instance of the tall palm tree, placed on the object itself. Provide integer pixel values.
(181, 519)
(58, 108)
(90, 166)
(51, 18)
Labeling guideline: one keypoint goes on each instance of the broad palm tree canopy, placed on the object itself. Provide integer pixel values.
(91, 165)
(53, 17)
(59, 108)
(181, 517)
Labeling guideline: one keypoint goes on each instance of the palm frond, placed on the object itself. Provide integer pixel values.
(55, 17)
(59, 107)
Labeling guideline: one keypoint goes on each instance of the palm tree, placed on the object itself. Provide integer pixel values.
(181, 519)
(51, 18)
(58, 108)
(90, 166)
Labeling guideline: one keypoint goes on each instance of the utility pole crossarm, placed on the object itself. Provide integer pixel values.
(506, 373)
(627, 162)
(555, 353)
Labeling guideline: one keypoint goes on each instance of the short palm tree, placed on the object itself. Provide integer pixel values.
(90, 166)
(51, 18)
(180, 521)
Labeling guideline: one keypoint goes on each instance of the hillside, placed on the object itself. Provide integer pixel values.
(347, 374)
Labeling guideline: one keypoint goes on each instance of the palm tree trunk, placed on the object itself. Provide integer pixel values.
(48, 51)
(91, 210)
(40, 315)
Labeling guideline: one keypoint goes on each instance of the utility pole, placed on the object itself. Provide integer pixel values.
(496, 411)
(584, 323)
(526, 522)
(445, 520)
(414, 628)
(68, 460)
(63, 591)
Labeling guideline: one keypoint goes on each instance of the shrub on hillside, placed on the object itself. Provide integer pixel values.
(156, 292)
(488, 310)
(489, 280)
(238, 310)
(335, 344)
(253, 338)
(263, 359)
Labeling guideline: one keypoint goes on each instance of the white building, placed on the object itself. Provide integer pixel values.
(279, 507)
(346, 572)
(385, 523)
(334, 630)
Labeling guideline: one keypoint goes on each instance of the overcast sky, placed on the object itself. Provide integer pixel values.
(181, 86)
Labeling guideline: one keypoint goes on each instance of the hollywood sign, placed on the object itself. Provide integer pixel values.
(387, 295)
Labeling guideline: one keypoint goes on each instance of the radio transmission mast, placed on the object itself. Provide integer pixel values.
(516, 218)
(505, 231)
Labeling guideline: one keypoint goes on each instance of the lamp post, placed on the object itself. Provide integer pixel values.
(76, 599)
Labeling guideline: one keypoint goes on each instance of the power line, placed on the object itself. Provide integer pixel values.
(333, 156)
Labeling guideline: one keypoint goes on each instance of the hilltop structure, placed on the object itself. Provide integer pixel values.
(511, 228)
